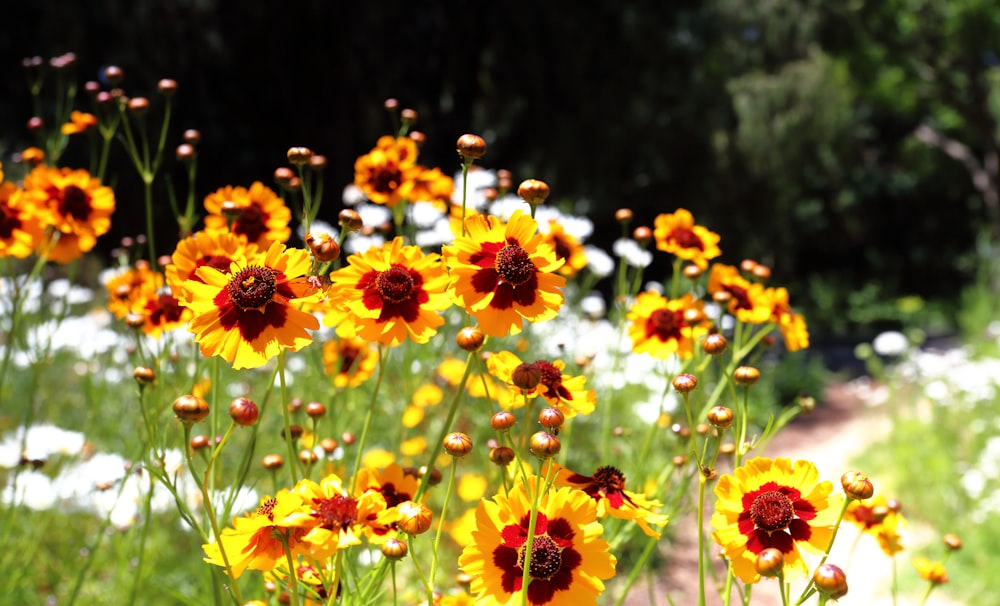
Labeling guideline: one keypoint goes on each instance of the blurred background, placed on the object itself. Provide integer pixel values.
(852, 146)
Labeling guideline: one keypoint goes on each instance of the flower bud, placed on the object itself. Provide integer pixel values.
(747, 265)
(551, 418)
(471, 147)
(199, 442)
(746, 375)
(299, 156)
(544, 445)
(243, 411)
(642, 234)
(526, 376)
(190, 409)
(394, 549)
(679, 460)
(435, 475)
(685, 383)
(167, 87)
(408, 115)
(417, 137)
(138, 106)
(857, 486)
(329, 445)
(323, 247)
(192, 136)
(952, 542)
(470, 338)
(348, 439)
(295, 431)
(503, 420)
(114, 75)
(349, 220)
(308, 457)
(533, 191)
(272, 462)
(501, 455)
(391, 104)
(714, 344)
(770, 562)
(830, 580)
(761, 272)
(692, 272)
(457, 444)
(144, 375)
(721, 417)
(414, 518)
(623, 215)
(315, 410)
(185, 152)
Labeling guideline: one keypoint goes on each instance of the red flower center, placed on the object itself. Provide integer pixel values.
(772, 511)
(686, 238)
(514, 265)
(665, 321)
(385, 178)
(252, 222)
(610, 479)
(252, 288)
(8, 222)
(552, 379)
(267, 508)
(75, 203)
(546, 558)
(336, 513)
(395, 284)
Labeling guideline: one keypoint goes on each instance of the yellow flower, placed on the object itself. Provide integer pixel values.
(333, 518)
(663, 327)
(390, 293)
(567, 248)
(20, 228)
(163, 313)
(792, 325)
(502, 273)
(568, 561)
(261, 217)
(746, 300)
(607, 488)
(678, 235)
(250, 314)
(79, 122)
(350, 361)
(388, 173)
(219, 250)
(773, 503)
(255, 540)
(933, 572)
(132, 287)
(74, 204)
(874, 517)
(431, 185)
(562, 391)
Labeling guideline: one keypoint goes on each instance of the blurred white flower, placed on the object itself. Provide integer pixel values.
(599, 262)
(634, 255)
(479, 179)
(890, 343)
(593, 306)
(353, 195)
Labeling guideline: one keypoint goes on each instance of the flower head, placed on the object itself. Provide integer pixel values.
(387, 174)
(567, 248)
(333, 518)
(349, 361)
(875, 518)
(219, 250)
(678, 235)
(934, 572)
(257, 214)
(20, 228)
(74, 204)
(607, 488)
(568, 560)
(773, 503)
(792, 325)
(250, 314)
(746, 300)
(663, 327)
(390, 293)
(562, 391)
(502, 273)
(79, 122)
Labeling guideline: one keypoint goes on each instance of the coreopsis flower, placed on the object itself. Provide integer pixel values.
(933, 572)
(255, 540)
(607, 488)
(874, 517)
(502, 273)
(568, 563)
(678, 235)
(456, 599)
(257, 214)
(744, 299)
(773, 503)
(567, 248)
(349, 361)
(247, 316)
(163, 312)
(129, 289)
(389, 293)
(562, 391)
(74, 204)
(20, 228)
(663, 327)
(395, 486)
(387, 174)
(79, 122)
(792, 325)
(333, 518)
(219, 250)
(431, 185)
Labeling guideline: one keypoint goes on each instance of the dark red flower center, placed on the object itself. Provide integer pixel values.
(686, 238)
(546, 558)
(552, 380)
(252, 222)
(267, 508)
(8, 222)
(336, 513)
(772, 511)
(348, 356)
(740, 296)
(514, 265)
(392, 496)
(75, 203)
(395, 284)
(252, 288)
(610, 479)
(385, 178)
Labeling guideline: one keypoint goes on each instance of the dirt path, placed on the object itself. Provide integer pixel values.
(832, 436)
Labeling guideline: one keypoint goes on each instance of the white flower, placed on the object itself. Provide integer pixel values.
(424, 214)
(593, 305)
(479, 180)
(634, 255)
(506, 206)
(440, 233)
(373, 215)
(890, 343)
(353, 195)
(599, 262)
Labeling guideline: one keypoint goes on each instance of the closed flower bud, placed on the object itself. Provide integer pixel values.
(295, 431)
(417, 137)
(317, 162)
(192, 136)
(533, 191)
(299, 156)
(551, 418)
(747, 265)
(273, 462)
(144, 375)
(167, 87)
(714, 344)
(471, 147)
(349, 220)
(623, 215)
(857, 486)
(199, 442)
(501, 455)
(457, 444)
(727, 449)
(762, 272)
(414, 518)
(391, 104)
(435, 475)
(721, 417)
(231, 210)
(679, 460)
(746, 375)
(807, 403)
(544, 445)
(526, 376)
(323, 247)
(190, 409)
(408, 115)
(243, 411)
(685, 383)
(114, 75)
(348, 439)
(135, 320)
(185, 152)
(952, 542)
(830, 580)
(470, 338)
(329, 445)
(138, 106)
(307, 457)
(315, 410)
(503, 420)
(692, 272)
(394, 549)
(770, 562)
(642, 234)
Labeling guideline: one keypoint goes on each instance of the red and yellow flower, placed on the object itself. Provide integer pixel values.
(607, 488)
(257, 214)
(773, 503)
(74, 204)
(562, 391)
(349, 361)
(567, 248)
(678, 235)
(247, 316)
(219, 250)
(389, 293)
(876, 518)
(664, 327)
(79, 122)
(792, 325)
(163, 313)
(431, 185)
(20, 228)
(502, 273)
(568, 559)
(744, 299)
(388, 173)
(129, 289)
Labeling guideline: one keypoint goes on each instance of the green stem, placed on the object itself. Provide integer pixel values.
(440, 528)
(702, 563)
(293, 460)
(449, 421)
(382, 359)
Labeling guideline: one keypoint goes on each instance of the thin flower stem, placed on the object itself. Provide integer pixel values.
(293, 585)
(449, 421)
(810, 586)
(529, 542)
(927, 594)
(293, 461)
(382, 359)
(637, 569)
(440, 528)
(466, 163)
(144, 535)
(702, 563)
